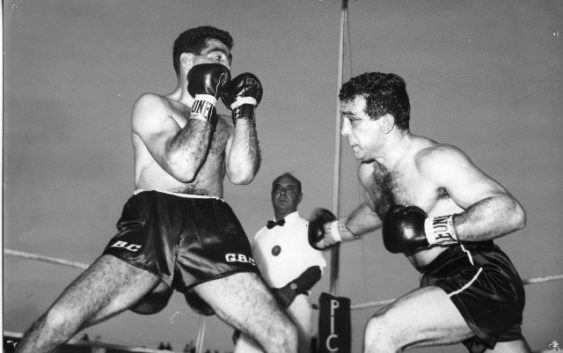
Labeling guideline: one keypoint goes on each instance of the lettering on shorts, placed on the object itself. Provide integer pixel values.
(242, 258)
(127, 246)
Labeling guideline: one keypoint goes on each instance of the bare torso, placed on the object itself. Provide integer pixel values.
(149, 175)
(406, 185)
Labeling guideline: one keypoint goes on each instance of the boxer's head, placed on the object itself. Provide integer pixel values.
(195, 40)
(383, 93)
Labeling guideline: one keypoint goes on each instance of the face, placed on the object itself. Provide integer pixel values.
(285, 195)
(364, 134)
(214, 53)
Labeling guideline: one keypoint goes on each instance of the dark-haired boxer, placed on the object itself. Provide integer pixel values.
(442, 212)
(176, 232)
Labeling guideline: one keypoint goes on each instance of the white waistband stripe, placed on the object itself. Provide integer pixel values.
(468, 284)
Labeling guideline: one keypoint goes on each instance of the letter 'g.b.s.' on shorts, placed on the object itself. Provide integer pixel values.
(183, 239)
(483, 284)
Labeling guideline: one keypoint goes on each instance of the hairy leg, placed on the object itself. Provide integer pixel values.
(301, 315)
(108, 287)
(423, 317)
(243, 301)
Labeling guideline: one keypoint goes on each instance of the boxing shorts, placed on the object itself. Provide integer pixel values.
(483, 284)
(183, 239)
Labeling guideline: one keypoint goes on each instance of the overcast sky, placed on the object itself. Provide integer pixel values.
(483, 75)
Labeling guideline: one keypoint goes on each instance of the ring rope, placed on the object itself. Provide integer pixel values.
(26, 255)
(95, 344)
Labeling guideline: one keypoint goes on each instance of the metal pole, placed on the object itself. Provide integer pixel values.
(335, 253)
(200, 334)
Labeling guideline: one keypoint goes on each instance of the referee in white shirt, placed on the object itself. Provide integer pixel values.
(288, 264)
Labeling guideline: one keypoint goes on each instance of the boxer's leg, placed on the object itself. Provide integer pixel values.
(243, 301)
(423, 317)
(108, 287)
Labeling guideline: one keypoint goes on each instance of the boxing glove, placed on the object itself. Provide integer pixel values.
(301, 285)
(323, 229)
(242, 95)
(205, 82)
(409, 229)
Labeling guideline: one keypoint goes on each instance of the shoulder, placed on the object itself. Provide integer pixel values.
(438, 153)
(439, 159)
(148, 104)
(149, 100)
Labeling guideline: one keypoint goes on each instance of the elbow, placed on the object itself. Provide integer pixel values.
(183, 171)
(521, 218)
(242, 179)
(241, 176)
(517, 216)
(185, 176)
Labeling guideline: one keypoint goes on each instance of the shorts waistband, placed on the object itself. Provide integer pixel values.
(465, 248)
(188, 196)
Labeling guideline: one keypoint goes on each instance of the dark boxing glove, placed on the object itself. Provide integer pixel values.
(409, 229)
(242, 95)
(205, 82)
(323, 229)
(301, 285)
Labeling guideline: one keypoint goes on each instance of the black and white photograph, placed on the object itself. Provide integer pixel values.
(298, 176)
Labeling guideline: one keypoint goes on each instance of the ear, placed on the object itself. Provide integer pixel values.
(187, 61)
(387, 123)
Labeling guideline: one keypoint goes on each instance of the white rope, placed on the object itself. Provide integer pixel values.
(53, 260)
(97, 344)
(526, 281)
(26, 255)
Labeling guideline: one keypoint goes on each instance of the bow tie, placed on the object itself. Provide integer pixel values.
(272, 224)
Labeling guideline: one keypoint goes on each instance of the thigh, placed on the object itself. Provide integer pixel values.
(108, 287)
(243, 301)
(422, 317)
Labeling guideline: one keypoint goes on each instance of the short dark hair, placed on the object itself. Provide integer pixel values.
(194, 41)
(384, 94)
(290, 176)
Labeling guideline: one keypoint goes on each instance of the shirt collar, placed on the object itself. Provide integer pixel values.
(291, 217)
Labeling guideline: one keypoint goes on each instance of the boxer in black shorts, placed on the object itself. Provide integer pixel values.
(179, 233)
(486, 289)
(432, 203)
(203, 240)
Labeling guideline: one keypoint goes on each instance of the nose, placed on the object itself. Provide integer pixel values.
(345, 129)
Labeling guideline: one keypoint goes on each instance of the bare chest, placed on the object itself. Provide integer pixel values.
(403, 186)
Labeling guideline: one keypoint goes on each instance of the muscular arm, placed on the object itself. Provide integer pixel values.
(360, 221)
(489, 210)
(243, 153)
(180, 151)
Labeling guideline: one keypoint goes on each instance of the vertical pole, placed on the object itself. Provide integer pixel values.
(200, 334)
(335, 252)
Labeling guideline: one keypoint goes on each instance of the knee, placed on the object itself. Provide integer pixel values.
(284, 337)
(379, 336)
(61, 319)
(289, 331)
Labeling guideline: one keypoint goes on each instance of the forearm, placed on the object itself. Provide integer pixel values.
(359, 222)
(490, 218)
(244, 158)
(187, 150)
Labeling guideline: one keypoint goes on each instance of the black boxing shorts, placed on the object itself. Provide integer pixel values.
(183, 239)
(483, 284)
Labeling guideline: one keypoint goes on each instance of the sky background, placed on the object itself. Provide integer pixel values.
(483, 75)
